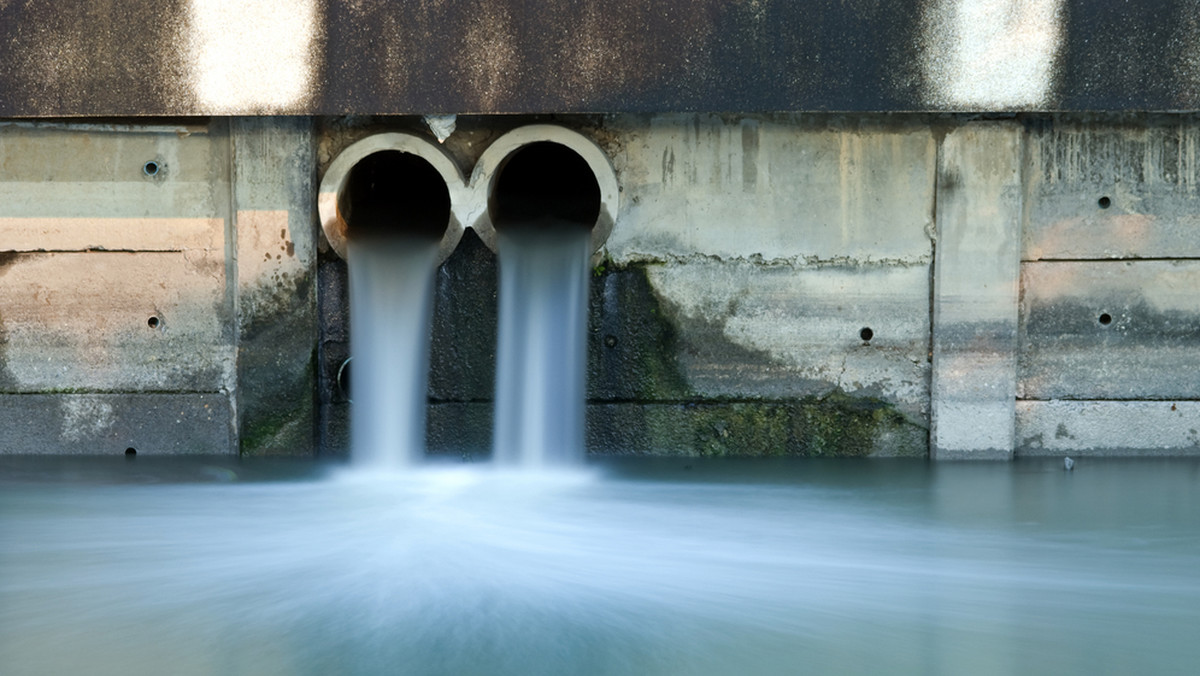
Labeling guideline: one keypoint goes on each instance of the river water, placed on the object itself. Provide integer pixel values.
(641, 566)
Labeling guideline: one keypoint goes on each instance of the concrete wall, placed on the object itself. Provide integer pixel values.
(157, 286)
(782, 284)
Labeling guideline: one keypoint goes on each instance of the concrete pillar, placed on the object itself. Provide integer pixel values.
(976, 293)
(274, 246)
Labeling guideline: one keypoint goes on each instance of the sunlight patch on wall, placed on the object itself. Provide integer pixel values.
(990, 54)
(253, 56)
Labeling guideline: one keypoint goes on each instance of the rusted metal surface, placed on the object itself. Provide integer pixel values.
(329, 57)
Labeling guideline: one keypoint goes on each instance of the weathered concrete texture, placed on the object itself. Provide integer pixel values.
(463, 351)
(118, 321)
(115, 285)
(102, 424)
(633, 345)
(1110, 330)
(333, 349)
(276, 246)
(747, 330)
(1113, 428)
(837, 426)
(91, 172)
(460, 429)
(1099, 189)
(772, 188)
(975, 292)
(178, 57)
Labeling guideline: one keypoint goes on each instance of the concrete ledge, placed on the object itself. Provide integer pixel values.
(1108, 428)
(110, 424)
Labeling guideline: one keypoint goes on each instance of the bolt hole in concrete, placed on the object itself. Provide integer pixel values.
(130, 452)
(153, 322)
(610, 341)
(1104, 202)
(1105, 319)
(866, 334)
(151, 169)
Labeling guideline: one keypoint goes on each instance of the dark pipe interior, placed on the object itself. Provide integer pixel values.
(392, 192)
(547, 183)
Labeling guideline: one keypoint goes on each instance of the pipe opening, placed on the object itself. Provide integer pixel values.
(544, 183)
(390, 193)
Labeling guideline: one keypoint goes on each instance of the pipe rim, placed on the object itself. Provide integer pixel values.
(488, 167)
(334, 226)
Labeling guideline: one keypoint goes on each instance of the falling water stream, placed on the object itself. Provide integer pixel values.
(542, 352)
(391, 303)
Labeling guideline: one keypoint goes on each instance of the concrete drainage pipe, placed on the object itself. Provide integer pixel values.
(392, 184)
(547, 174)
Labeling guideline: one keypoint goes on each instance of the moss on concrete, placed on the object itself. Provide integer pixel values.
(833, 426)
(633, 346)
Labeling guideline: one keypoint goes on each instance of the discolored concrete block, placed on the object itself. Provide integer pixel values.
(118, 321)
(102, 424)
(837, 426)
(973, 387)
(88, 172)
(772, 188)
(756, 331)
(275, 259)
(1107, 189)
(1110, 330)
(1108, 428)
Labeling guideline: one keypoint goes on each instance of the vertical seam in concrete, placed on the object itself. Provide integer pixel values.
(1025, 180)
(231, 278)
(933, 265)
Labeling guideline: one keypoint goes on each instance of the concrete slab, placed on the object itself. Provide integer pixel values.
(107, 171)
(114, 321)
(810, 428)
(771, 188)
(275, 253)
(1108, 428)
(113, 424)
(747, 330)
(1111, 190)
(1110, 330)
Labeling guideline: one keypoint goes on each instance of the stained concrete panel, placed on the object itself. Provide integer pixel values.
(117, 321)
(1111, 428)
(748, 330)
(107, 171)
(111, 424)
(274, 262)
(1110, 330)
(772, 188)
(975, 292)
(1102, 191)
(753, 429)
(83, 233)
